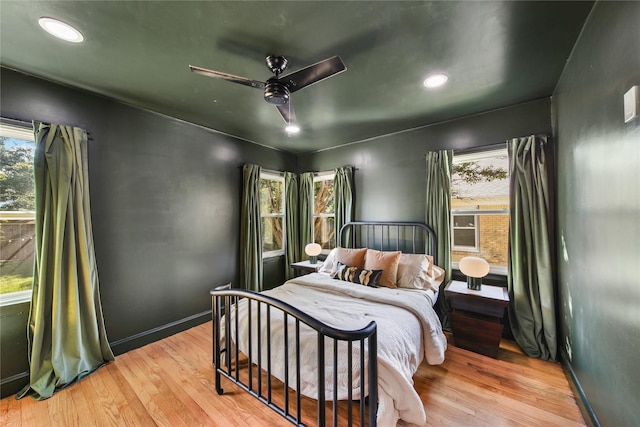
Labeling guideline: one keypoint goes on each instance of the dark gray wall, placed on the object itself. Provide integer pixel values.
(165, 201)
(598, 160)
(390, 178)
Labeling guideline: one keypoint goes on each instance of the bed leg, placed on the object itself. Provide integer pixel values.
(219, 389)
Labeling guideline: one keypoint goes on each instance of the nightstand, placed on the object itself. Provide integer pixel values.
(476, 316)
(305, 267)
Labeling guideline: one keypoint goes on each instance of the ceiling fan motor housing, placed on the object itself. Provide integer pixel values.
(276, 63)
(275, 92)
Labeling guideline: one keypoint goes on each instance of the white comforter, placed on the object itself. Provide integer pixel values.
(408, 330)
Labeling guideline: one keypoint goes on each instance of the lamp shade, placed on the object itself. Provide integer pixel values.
(313, 249)
(474, 266)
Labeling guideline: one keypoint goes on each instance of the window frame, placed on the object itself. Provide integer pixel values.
(486, 153)
(22, 131)
(275, 176)
(475, 228)
(322, 176)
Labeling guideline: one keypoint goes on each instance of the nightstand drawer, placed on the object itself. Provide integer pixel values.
(473, 304)
(476, 332)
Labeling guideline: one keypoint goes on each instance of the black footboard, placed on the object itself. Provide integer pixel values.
(256, 377)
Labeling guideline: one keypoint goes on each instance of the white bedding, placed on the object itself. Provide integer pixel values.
(408, 331)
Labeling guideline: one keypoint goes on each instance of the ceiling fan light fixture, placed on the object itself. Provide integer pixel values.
(60, 30)
(292, 128)
(435, 80)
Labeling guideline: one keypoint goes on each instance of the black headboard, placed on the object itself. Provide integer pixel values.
(408, 237)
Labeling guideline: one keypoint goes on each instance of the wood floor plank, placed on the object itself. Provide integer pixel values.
(479, 383)
(171, 383)
(177, 378)
(10, 414)
(130, 407)
(499, 380)
(30, 412)
(110, 399)
(141, 378)
(81, 397)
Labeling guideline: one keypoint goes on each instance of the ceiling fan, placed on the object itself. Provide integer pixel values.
(277, 89)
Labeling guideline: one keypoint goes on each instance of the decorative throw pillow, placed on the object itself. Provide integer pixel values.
(352, 257)
(413, 271)
(358, 275)
(385, 261)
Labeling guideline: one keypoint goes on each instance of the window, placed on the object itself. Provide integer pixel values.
(480, 207)
(324, 226)
(17, 213)
(465, 233)
(272, 212)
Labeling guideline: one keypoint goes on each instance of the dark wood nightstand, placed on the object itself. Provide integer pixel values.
(305, 267)
(476, 316)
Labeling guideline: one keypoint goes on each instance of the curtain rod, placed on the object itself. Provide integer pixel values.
(331, 170)
(314, 172)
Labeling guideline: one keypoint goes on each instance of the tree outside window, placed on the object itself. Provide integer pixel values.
(17, 213)
(272, 213)
(324, 228)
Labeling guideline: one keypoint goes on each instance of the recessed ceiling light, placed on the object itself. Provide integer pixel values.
(435, 80)
(61, 30)
(292, 129)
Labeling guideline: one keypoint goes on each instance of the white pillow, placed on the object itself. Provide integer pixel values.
(416, 271)
(330, 265)
(435, 278)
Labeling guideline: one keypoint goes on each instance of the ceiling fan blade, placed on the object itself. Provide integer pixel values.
(287, 113)
(313, 73)
(225, 76)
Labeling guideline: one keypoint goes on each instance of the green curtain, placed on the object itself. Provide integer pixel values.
(438, 216)
(66, 333)
(306, 210)
(343, 199)
(292, 247)
(531, 256)
(251, 230)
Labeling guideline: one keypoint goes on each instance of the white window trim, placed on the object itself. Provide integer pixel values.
(274, 176)
(16, 131)
(18, 297)
(321, 176)
(24, 131)
(480, 155)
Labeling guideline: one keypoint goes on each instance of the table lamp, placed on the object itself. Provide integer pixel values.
(475, 268)
(313, 250)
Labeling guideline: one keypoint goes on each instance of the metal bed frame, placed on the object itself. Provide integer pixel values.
(410, 237)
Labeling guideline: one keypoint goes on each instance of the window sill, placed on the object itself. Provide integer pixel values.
(15, 298)
(272, 254)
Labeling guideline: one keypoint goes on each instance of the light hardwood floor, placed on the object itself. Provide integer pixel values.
(170, 383)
